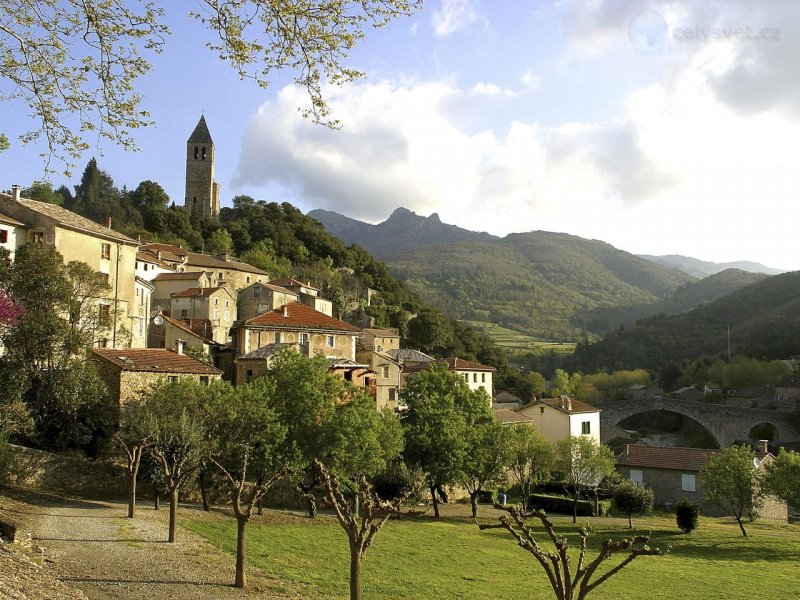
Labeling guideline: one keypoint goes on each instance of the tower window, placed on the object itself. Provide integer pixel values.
(195, 152)
(203, 153)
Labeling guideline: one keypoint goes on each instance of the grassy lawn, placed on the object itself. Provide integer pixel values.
(452, 559)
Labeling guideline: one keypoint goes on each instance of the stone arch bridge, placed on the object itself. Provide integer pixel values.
(726, 424)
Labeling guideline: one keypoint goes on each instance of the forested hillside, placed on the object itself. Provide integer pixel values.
(547, 284)
(764, 321)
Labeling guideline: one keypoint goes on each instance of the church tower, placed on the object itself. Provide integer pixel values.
(202, 192)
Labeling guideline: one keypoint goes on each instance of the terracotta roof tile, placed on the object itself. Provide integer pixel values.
(274, 288)
(196, 259)
(459, 364)
(385, 332)
(681, 459)
(300, 316)
(155, 360)
(509, 416)
(195, 327)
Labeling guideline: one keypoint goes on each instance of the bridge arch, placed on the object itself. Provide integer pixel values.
(711, 435)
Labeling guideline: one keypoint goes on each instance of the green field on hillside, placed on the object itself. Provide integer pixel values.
(514, 341)
(451, 559)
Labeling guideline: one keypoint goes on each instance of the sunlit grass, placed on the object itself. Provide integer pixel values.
(452, 559)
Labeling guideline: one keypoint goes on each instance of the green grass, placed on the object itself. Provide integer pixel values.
(452, 559)
(514, 341)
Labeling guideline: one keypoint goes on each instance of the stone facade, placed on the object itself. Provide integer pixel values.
(387, 377)
(202, 192)
(215, 305)
(260, 297)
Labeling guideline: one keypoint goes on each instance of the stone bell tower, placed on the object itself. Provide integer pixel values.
(202, 192)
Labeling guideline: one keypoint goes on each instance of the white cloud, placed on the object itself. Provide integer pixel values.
(453, 16)
(531, 80)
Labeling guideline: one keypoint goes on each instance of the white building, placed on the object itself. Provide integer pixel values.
(560, 418)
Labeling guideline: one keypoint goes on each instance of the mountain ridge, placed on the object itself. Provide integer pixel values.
(704, 268)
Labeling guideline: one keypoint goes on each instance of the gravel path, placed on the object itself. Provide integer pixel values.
(93, 547)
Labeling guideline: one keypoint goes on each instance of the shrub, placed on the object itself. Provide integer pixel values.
(563, 505)
(6, 458)
(687, 515)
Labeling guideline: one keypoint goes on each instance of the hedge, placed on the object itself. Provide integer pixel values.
(563, 505)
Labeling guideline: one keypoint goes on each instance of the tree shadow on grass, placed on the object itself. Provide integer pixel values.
(181, 582)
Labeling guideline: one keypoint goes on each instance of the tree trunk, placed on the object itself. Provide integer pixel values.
(435, 502)
(473, 500)
(156, 498)
(173, 513)
(259, 507)
(312, 508)
(575, 506)
(355, 572)
(741, 526)
(630, 521)
(442, 494)
(241, 576)
(132, 495)
(204, 489)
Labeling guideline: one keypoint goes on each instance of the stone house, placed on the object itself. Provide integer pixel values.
(261, 297)
(309, 295)
(640, 391)
(295, 323)
(562, 417)
(104, 250)
(149, 266)
(673, 473)
(387, 376)
(132, 372)
(224, 270)
(167, 284)
(210, 311)
(381, 340)
(688, 393)
(476, 375)
(12, 234)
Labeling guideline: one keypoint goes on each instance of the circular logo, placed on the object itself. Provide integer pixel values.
(648, 32)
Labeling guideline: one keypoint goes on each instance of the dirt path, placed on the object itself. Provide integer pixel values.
(93, 547)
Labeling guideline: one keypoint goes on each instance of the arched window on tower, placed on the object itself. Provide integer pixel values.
(195, 152)
(204, 153)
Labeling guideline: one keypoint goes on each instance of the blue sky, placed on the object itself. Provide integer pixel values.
(658, 127)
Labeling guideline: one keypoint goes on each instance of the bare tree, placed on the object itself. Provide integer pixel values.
(557, 564)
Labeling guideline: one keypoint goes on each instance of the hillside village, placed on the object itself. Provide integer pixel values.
(170, 315)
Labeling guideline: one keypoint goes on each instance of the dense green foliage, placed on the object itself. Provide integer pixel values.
(632, 499)
(783, 477)
(731, 481)
(687, 515)
(764, 321)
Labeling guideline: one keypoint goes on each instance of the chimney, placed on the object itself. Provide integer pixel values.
(763, 446)
(179, 344)
(563, 402)
(15, 193)
(569, 404)
(285, 310)
(158, 254)
(627, 448)
(108, 222)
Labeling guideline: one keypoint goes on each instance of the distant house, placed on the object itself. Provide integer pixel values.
(314, 332)
(560, 418)
(640, 391)
(476, 375)
(129, 373)
(381, 340)
(309, 295)
(149, 266)
(212, 309)
(387, 375)
(166, 284)
(673, 473)
(510, 416)
(261, 297)
(688, 393)
(12, 234)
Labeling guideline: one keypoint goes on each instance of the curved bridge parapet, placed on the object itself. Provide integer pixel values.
(726, 423)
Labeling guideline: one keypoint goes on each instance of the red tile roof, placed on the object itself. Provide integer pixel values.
(509, 416)
(300, 316)
(154, 360)
(175, 251)
(459, 364)
(680, 459)
(195, 327)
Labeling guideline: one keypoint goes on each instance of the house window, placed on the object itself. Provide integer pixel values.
(146, 266)
(172, 378)
(483, 377)
(221, 275)
(102, 343)
(249, 375)
(216, 301)
(329, 341)
(385, 371)
(184, 313)
(687, 482)
(247, 279)
(203, 379)
(257, 292)
(203, 153)
(393, 395)
(474, 378)
(3, 236)
(303, 338)
(541, 409)
(37, 237)
(466, 377)
(105, 251)
(586, 427)
(277, 337)
(196, 151)
(636, 476)
(104, 315)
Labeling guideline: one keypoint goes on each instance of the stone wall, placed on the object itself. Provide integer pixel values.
(72, 476)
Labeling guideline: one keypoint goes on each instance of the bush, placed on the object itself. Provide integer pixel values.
(687, 515)
(563, 505)
(487, 496)
(6, 458)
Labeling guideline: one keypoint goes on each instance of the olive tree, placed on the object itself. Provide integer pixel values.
(731, 481)
(633, 499)
(532, 457)
(584, 464)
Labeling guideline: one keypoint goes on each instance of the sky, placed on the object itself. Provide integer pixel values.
(660, 127)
